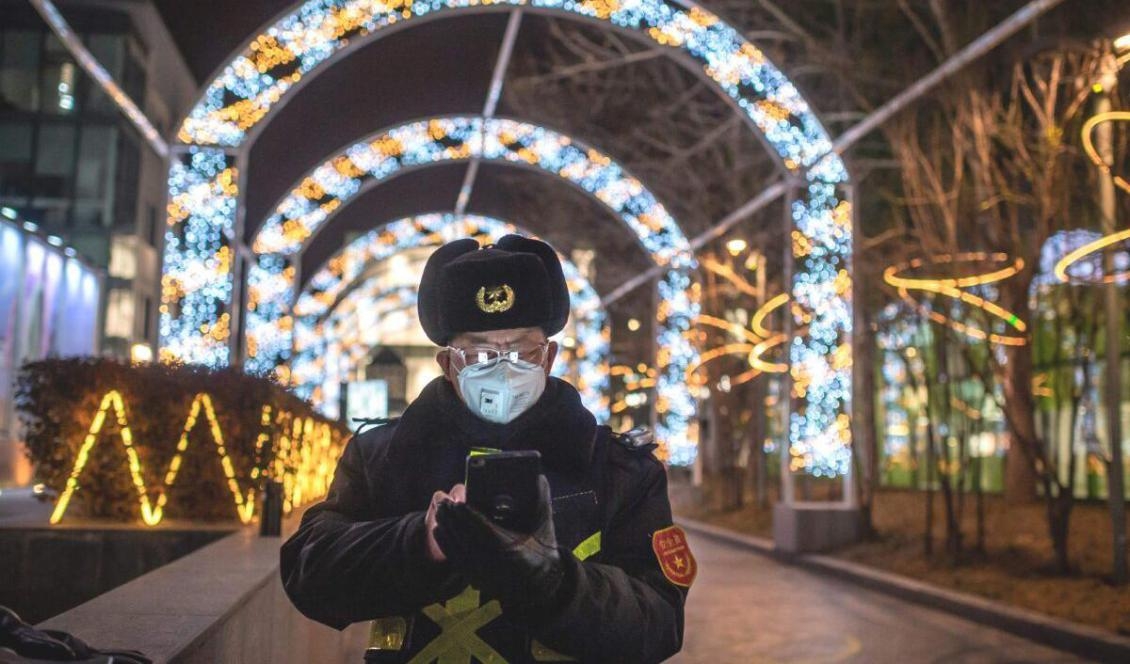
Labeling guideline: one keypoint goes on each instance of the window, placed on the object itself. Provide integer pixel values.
(109, 50)
(146, 319)
(19, 69)
(119, 313)
(57, 79)
(153, 223)
(123, 257)
(126, 181)
(54, 160)
(15, 156)
(97, 148)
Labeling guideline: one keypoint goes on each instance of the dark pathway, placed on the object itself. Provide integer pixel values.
(746, 608)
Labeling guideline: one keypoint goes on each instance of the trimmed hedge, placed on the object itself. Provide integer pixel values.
(59, 398)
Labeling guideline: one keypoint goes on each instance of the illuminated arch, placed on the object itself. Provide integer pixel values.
(197, 287)
(339, 289)
(326, 189)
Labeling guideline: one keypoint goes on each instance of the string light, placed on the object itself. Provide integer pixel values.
(962, 328)
(271, 280)
(1089, 145)
(320, 316)
(305, 40)
(1078, 254)
(1065, 263)
(951, 287)
(714, 354)
(760, 348)
(725, 325)
(757, 321)
(1040, 386)
(309, 478)
(727, 273)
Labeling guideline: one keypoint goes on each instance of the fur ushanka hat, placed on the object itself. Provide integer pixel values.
(516, 282)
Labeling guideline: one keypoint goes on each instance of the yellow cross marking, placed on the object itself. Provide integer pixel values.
(459, 619)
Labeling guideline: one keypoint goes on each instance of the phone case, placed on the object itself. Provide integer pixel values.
(503, 486)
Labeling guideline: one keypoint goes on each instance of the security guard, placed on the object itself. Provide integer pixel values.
(604, 576)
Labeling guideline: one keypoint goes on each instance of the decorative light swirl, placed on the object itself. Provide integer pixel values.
(1089, 145)
(1064, 264)
(951, 287)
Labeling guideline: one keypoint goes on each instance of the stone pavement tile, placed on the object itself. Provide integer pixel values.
(746, 608)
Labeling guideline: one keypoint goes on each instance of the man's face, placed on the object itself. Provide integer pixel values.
(526, 340)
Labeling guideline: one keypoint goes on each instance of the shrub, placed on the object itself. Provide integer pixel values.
(58, 400)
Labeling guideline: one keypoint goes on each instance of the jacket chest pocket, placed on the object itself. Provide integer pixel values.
(576, 522)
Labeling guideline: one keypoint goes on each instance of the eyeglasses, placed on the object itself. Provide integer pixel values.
(485, 356)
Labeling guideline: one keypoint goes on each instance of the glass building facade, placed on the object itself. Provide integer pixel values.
(80, 180)
(72, 163)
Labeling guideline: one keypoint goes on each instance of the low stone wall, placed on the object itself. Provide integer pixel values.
(48, 570)
(223, 603)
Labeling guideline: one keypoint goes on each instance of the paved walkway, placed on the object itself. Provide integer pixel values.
(746, 608)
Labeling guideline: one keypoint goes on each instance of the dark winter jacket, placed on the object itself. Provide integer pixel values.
(360, 554)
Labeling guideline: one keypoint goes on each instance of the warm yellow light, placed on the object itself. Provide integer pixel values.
(757, 323)
(736, 246)
(1067, 261)
(761, 348)
(1089, 145)
(633, 324)
(306, 469)
(1122, 43)
(715, 353)
(141, 353)
(733, 328)
(967, 330)
(727, 273)
(951, 287)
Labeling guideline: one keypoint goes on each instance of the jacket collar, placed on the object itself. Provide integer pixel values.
(558, 426)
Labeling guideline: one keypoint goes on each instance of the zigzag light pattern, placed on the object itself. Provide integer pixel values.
(304, 476)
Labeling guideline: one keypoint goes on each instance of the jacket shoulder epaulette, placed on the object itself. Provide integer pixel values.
(639, 440)
(363, 422)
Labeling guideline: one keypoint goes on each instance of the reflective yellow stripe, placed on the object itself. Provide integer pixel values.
(459, 620)
(388, 633)
(588, 548)
(480, 451)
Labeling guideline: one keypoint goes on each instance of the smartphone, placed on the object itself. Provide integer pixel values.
(503, 486)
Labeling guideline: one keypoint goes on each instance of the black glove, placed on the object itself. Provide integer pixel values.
(522, 570)
(52, 645)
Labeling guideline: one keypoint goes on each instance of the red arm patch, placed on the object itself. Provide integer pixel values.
(674, 555)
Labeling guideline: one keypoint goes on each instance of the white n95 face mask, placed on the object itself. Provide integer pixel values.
(502, 391)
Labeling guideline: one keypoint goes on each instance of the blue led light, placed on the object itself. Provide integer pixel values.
(197, 288)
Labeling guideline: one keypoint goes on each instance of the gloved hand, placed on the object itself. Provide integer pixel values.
(522, 570)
